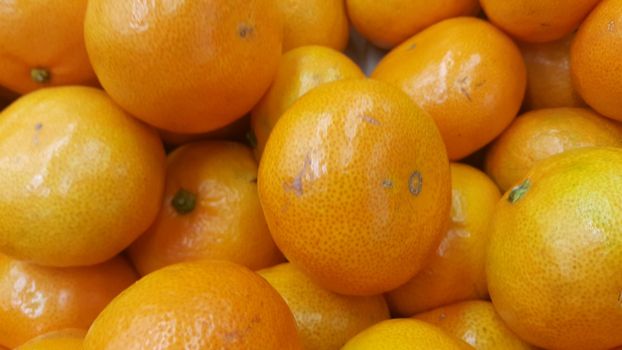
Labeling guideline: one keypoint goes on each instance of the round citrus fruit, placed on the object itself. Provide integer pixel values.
(69, 339)
(80, 180)
(456, 271)
(535, 20)
(41, 44)
(300, 70)
(184, 66)
(354, 182)
(198, 305)
(595, 59)
(537, 135)
(325, 320)
(555, 252)
(549, 83)
(477, 324)
(210, 210)
(36, 299)
(404, 334)
(314, 22)
(468, 75)
(388, 23)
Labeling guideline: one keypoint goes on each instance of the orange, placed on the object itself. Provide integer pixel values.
(549, 83)
(456, 271)
(540, 134)
(536, 20)
(404, 334)
(354, 182)
(80, 178)
(36, 299)
(198, 305)
(466, 74)
(184, 66)
(70, 339)
(314, 22)
(390, 22)
(595, 59)
(325, 320)
(210, 210)
(477, 324)
(555, 252)
(41, 44)
(300, 70)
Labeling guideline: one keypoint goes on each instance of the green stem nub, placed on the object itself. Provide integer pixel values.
(184, 201)
(519, 191)
(40, 75)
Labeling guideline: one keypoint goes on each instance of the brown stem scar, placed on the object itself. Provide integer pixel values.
(245, 30)
(40, 75)
(184, 201)
(415, 183)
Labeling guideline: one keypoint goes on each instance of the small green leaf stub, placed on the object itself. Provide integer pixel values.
(519, 191)
(40, 75)
(415, 183)
(184, 201)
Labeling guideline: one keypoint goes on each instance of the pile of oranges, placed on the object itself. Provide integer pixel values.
(227, 174)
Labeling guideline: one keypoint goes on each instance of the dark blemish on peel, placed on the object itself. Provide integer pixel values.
(387, 183)
(463, 89)
(38, 128)
(415, 183)
(370, 120)
(245, 30)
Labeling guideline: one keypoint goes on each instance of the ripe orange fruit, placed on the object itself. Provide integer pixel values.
(184, 66)
(456, 271)
(477, 324)
(354, 182)
(314, 22)
(537, 21)
(540, 134)
(80, 178)
(69, 339)
(595, 59)
(36, 299)
(466, 74)
(556, 249)
(41, 44)
(210, 210)
(300, 71)
(200, 305)
(389, 23)
(549, 83)
(325, 320)
(404, 334)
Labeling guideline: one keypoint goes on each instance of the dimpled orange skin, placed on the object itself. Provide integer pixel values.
(43, 34)
(537, 135)
(314, 22)
(535, 20)
(595, 59)
(35, 300)
(200, 305)
(226, 222)
(81, 179)
(355, 186)
(456, 270)
(390, 22)
(549, 83)
(468, 75)
(300, 71)
(186, 66)
(325, 320)
(555, 252)
(71, 339)
(404, 334)
(477, 324)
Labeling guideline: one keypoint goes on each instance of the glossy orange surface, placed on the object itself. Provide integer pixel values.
(35, 300)
(225, 220)
(80, 180)
(354, 182)
(465, 73)
(186, 66)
